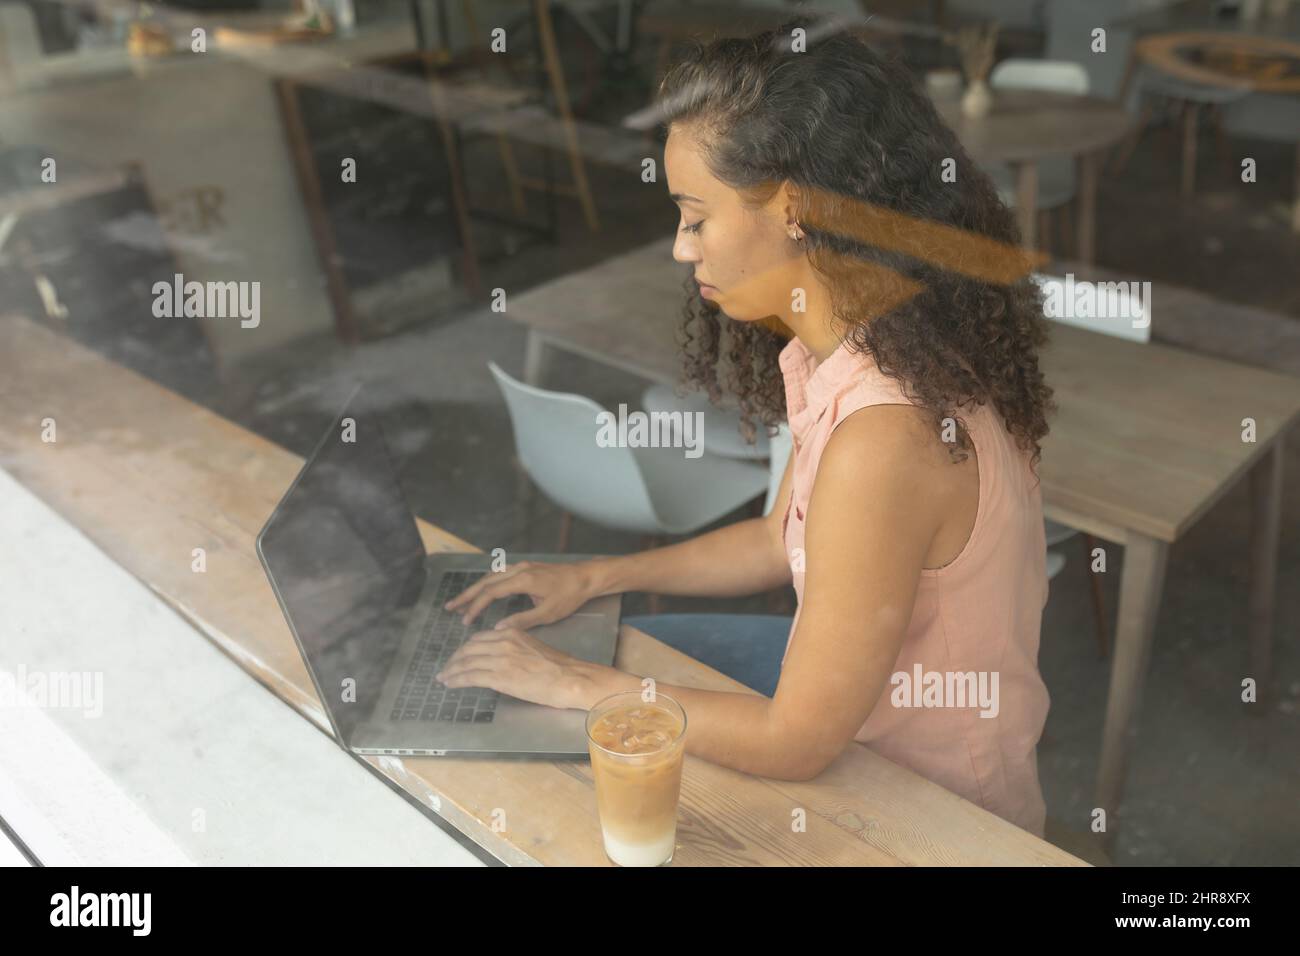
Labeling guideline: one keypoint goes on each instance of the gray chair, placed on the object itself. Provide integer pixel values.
(721, 426)
(1055, 560)
(652, 491)
(722, 435)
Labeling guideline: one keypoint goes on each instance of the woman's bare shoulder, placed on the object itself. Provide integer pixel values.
(908, 431)
(904, 441)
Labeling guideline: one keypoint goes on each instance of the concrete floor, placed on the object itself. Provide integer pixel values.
(1211, 781)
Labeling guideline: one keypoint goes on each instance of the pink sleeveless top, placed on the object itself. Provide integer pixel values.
(980, 614)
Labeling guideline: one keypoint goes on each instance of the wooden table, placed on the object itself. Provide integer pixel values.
(1200, 15)
(1147, 439)
(1026, 126)
(149, 476)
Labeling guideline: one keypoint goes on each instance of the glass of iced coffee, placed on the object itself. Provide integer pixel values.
(637, 743)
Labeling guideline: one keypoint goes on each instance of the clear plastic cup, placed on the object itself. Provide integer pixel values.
(637, 746)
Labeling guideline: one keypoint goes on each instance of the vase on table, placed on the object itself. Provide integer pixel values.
(977, 100)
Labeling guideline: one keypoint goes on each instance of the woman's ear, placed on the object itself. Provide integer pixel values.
(791, 210)
(786, 205)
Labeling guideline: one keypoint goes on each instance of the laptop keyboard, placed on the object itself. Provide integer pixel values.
(421, 697)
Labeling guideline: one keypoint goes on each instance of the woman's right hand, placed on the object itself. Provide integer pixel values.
(557, 591)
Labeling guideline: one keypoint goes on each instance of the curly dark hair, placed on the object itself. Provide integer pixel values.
(927, 273)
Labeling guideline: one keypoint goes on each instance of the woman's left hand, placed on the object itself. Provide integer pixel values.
(514, 662)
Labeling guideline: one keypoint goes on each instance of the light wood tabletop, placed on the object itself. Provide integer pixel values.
(1240, 61)
(1201, 15)
(1025, 126)
(1147, 438)
(148, 476)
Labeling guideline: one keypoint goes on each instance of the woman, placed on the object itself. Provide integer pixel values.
(822, 197)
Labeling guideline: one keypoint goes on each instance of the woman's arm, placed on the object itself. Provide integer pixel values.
(743, 558)
(878, 501)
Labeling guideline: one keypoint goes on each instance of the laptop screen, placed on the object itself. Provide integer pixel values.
(347, 563)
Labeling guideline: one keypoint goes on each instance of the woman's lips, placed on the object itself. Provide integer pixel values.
(706, 290)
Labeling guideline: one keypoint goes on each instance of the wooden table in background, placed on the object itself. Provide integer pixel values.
(1026, 126)
(1200, 15)
(148, 476)
(1146, 440)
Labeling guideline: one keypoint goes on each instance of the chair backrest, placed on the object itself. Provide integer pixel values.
(1070, 26)
(779, 448)
(1057, 76)
(1110, 308)
(556, 440)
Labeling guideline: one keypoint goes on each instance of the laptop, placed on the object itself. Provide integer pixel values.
(365, 605)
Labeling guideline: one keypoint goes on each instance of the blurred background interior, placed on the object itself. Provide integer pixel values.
(477, 171)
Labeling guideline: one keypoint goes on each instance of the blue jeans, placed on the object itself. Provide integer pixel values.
(746, 647)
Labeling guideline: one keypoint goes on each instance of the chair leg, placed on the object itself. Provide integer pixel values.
(566, 528)
(1044, 230)
(1190, 111)
(1221, 151)
(1125, 151)
(512, 174)
(551, 56)
(1098, 605)
(1295, 194)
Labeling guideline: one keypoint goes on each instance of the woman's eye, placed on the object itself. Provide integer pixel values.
(693, 227)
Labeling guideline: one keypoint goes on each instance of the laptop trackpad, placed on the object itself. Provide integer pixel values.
(589, 633)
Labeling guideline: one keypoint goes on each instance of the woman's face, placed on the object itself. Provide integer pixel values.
(744, 258)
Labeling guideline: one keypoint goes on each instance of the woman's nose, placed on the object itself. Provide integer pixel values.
(684, 250)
